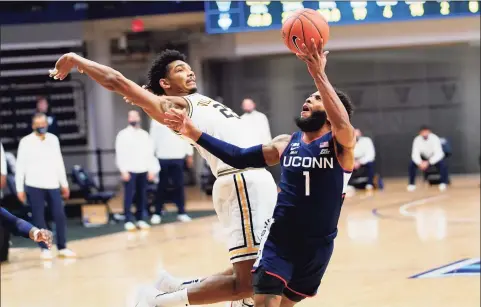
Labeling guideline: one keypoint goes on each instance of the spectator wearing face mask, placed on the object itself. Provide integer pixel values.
(256, 121)
(40, 178)
(137, 164)
(43, 107)
(427, 150)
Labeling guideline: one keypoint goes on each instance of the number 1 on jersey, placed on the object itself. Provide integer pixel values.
(308, 187)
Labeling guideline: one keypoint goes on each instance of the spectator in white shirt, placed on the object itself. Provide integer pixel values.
(427, 150)
(364, 155)
(137, 164)
(40, 177)
(256, 121)
(173, 154)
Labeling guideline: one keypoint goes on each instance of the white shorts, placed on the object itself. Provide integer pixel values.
(244, 201)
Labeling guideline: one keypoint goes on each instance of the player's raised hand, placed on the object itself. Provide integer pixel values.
(178, 121)
(63, 66)
(315, 57)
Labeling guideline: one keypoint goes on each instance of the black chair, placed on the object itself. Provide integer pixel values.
(433, 175)
(91, 192)
(359, 178)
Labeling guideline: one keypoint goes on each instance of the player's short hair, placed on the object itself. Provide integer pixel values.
(346, 102)
(159, 69)
(39, 115)
(424, 127)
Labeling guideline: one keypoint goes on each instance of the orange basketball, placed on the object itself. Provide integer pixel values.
(301, 27)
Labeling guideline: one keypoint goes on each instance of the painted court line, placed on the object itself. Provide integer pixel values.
(403, 210)
(437, 272)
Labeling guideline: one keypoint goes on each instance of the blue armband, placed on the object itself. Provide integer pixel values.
(232, 155)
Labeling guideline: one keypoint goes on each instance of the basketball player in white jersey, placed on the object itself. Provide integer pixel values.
(243, 199)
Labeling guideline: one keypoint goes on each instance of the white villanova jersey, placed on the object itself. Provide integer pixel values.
(214, 118)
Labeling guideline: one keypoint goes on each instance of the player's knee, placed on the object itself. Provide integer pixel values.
(243, 279)
(243, 287)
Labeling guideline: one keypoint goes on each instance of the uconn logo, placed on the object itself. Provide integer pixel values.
(308, 162)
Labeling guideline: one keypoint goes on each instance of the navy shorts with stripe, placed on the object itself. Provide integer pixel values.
(300, 267)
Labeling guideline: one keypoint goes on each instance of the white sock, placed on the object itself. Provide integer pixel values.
(169, 283)
(173, 299)
(187, 283)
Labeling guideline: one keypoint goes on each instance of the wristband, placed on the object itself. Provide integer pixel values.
(35, 234)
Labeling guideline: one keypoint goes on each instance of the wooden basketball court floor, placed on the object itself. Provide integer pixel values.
(384, 239)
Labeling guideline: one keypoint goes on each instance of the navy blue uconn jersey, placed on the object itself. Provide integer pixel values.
(312, 186)
(298, 242)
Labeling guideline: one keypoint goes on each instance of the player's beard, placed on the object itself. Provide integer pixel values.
(313, 122)
(192, 91)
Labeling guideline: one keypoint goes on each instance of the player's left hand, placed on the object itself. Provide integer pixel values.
(178, 121)
(44, 236)
(63, 66)
(315, 57)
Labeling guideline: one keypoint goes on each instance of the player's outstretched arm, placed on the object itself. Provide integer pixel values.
(113, 80)
(316, 59)
(240, 158)
(20, 227)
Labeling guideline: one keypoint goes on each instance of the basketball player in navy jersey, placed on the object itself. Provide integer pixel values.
(316, 164)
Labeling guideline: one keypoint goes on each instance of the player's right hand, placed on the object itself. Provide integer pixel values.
(178, 121)
(315, 57)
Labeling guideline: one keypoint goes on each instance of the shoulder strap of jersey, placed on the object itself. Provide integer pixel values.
(294, 139)
(191, 99)
(197, 100)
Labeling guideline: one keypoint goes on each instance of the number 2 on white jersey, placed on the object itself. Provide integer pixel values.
(308, 186)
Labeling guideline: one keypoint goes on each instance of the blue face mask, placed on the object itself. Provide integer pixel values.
(133, 123)
(41, 130)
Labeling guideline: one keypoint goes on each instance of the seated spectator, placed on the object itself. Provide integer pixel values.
(364, 155)
(427, 150)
